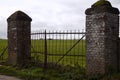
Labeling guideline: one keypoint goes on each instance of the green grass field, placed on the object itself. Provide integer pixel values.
(55, 50)
(3, 51)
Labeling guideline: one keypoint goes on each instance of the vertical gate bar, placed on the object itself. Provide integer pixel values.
(39, 47)
(45, 51)
(61, 38)
(78, 48)
(52, 42)
(64, 60)
(35, 48)
(79, 51)
(60, 45)
(71, 40)
(43, 43)
(32, 43)
(56, 44)
(65, 46)
(74, 48)
(55, 49)
(67, 40)
(82, 50)
(35, 42)
(49, 40)
(38, 44)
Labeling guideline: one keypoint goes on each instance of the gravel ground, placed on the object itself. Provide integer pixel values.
(4, 77)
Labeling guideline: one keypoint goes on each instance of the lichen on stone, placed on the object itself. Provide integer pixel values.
(102, 3)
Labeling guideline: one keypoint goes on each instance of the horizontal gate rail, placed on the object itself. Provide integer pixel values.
(58, 54)
(58, 33)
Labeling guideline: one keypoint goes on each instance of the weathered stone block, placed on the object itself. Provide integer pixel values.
(19, 42)
(102, 32)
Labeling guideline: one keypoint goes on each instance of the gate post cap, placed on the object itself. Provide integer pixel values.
(100, 7)
(19, 15)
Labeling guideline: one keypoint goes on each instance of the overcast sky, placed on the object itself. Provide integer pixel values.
(49, 14)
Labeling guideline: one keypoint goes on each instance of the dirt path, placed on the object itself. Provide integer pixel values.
(3, 77)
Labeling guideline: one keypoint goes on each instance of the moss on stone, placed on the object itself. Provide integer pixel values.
(101, 3)
(100, 7)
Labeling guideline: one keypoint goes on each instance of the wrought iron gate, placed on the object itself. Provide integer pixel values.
(58, 48)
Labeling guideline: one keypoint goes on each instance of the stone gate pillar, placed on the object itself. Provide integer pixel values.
(19, 29)
(102, 31)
